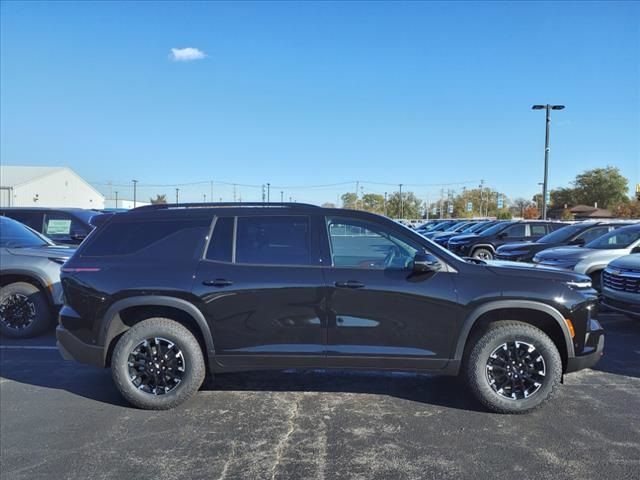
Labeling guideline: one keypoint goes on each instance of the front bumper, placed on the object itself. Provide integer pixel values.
(72, 348)
(592, 351)
(623, 302)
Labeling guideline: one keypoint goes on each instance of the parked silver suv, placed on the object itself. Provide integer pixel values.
(30, 291)
(593, 257)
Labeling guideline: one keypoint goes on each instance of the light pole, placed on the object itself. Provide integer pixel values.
(135, 183)
(548, 109)
(177, 190)
(281, 196)
(116, 192)
(268, 192)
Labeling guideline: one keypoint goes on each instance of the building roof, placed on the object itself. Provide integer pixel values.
(15, 175)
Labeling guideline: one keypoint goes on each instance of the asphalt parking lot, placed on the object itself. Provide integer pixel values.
(63, 420)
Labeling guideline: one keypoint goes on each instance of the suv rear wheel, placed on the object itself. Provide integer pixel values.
(158, 364)
(24, 310)
(513, 367)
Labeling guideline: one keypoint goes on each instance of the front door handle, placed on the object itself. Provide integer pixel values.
(349, 284)
(218, 282)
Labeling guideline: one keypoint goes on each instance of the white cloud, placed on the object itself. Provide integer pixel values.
(187, 54)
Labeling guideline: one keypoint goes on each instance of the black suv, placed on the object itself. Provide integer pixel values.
(165, 294)
(576, 234)
(484, 245)
(62, 225)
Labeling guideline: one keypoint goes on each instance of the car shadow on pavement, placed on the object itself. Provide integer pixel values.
(622, 346)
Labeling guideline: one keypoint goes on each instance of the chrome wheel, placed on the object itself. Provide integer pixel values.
(156, 366)
(17, 311)
(515, 370)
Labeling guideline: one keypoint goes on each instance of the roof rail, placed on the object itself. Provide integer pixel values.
(162, 206)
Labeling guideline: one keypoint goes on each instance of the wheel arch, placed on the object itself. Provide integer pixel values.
(540, 315)
(125, 313)
(13, 276)
(488, 246)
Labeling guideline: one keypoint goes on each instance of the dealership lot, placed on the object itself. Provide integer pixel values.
(62, 420)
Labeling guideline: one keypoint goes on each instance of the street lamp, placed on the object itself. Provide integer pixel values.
(135, 183)
(548, 109)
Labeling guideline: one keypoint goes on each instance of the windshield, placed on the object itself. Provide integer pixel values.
(563, 234)
(621, 238)
(14, 234)
(476, 227)
(456, 227)
(498, 227)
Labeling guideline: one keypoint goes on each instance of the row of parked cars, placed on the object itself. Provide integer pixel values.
(166, 294)
(607, 251)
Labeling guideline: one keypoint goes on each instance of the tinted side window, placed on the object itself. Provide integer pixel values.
(593, 233)
(158, 239)
(30, 219)
(538, 230)
(516, 230)
(60, 224)
(277, 240)
(221, 242)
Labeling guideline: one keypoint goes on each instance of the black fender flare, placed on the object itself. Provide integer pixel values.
(113, 325)
(487, 246)
(500, 304)
(42, 282)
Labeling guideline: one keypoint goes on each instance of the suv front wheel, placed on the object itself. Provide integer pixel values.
(157, 364)
(513, 367)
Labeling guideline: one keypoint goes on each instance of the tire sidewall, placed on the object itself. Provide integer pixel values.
(43, 315)
(481, 352)
(482, 249)
(186, 342)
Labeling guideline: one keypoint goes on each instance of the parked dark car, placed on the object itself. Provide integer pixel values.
(475, 228)
(30, 290)
(484, 245)
(162, 295)
(575, 234)
(457, 227)
(62, 225)
(621, 285)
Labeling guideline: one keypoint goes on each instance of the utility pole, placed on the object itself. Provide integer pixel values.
(441, 196)
(204, 197)
(545, 185)
(281, 196)
(116, 192)
(177, 190)
(385, 204)
(234, 192)
(481, 195)
(401, 202)
(268, 192)
(263, 194)
(135, 183)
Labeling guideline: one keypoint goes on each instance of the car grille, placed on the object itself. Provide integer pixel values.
(623, 280)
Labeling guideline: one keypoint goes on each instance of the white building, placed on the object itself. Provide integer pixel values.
(22, 186)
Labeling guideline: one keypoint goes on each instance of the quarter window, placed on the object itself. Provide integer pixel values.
(273, 240)
(538, 230)
(358, 244)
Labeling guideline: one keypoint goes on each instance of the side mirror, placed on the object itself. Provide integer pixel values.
(425, 262)
(577, 241)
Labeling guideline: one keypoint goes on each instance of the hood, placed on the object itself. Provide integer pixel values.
(628, 262)
(565, 253)
(532, 270)
(51, 251)
(528, 246)
(466, 236)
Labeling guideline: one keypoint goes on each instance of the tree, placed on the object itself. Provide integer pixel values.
(562, 197)
(604, 186)
(349, 200)
(531, 212)
(373, 202)
(160, 199)
(411, 205)
(328, 205)
(519, 206)
(627, 209)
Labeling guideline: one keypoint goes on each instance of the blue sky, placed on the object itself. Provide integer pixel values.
(308, 94)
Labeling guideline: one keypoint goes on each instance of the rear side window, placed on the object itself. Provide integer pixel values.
(221, 243)
(593, 233)
(273, 240)
(538, 230)
(30, 219)
(157, 239)
(516, 230)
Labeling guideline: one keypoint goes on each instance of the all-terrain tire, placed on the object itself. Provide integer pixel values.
(33, 300)
(192, 355)
(508, 333)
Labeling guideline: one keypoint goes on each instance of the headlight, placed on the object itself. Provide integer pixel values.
(579, 285)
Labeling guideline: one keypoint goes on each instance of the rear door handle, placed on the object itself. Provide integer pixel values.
(218, 282)
(349, 284)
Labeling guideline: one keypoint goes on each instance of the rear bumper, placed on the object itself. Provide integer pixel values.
(72, 348)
